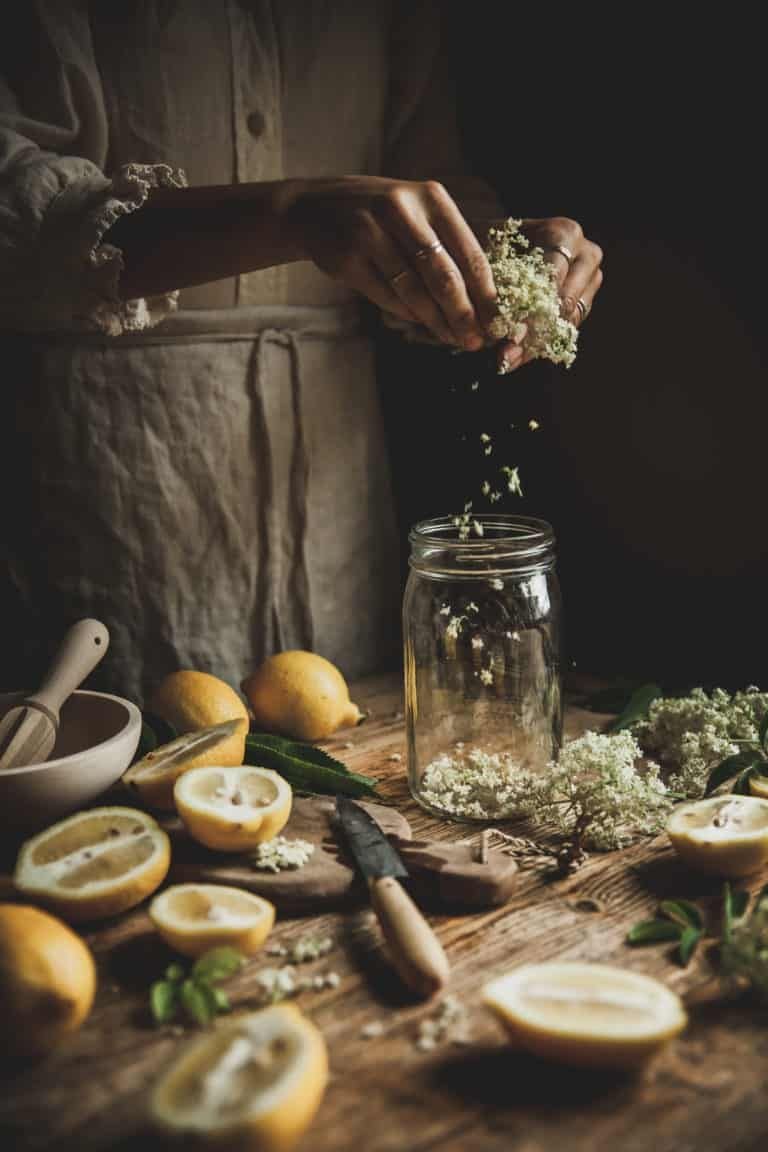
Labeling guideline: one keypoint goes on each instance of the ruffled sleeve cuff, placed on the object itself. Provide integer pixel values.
(58, 270)
(98, 306)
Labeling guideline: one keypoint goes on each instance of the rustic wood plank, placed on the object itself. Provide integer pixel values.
(707, 1092)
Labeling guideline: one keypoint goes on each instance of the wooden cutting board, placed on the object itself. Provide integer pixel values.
(443, 875)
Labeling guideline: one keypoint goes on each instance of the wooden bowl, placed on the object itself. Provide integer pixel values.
(98, 735)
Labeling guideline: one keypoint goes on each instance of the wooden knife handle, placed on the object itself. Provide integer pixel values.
(416, 952)
(81, 650)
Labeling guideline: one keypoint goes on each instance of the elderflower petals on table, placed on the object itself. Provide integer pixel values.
(281, 854)
(691, 734)
(527, 298)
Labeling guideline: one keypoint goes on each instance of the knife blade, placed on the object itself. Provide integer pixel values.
(416, 952)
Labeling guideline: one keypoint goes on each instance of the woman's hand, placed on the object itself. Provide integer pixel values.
(577, 266)
(406, 246)
(403, 244)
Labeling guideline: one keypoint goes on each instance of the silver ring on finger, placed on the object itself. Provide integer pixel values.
(430, 250)
(564, 252)
(398, 276)
(583, 308)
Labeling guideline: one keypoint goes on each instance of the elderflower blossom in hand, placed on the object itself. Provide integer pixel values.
(594, 794)
(527, 299)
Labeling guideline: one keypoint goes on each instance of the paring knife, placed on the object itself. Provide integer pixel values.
(415, 950)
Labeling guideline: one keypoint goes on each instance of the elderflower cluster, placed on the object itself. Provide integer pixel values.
(526, 297)
(479, 785)
(691, 734)
(595, 791)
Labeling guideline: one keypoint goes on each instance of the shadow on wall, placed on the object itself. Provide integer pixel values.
(649, 459)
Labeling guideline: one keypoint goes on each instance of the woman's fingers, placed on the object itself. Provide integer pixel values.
(575, 259)
(398, 274)
(582, 304)
(509, 356)
(580, 275)
(364, 277)
(414, 220)
(468, 254)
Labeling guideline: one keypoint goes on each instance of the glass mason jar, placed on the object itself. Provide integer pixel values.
(481, 627)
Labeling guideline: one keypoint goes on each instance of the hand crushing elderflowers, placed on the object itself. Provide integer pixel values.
(407, 247)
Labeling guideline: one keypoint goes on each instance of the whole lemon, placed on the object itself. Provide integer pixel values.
(47, 979)
(189, 700)
(301, 695)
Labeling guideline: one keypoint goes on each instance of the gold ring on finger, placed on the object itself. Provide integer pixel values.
(565, 252)
(583, 308)
(430, 250)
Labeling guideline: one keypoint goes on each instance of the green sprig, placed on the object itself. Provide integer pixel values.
(193, 993)
(678, 920)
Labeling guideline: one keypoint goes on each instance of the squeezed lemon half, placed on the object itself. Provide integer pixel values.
(192, 918)
(94, 864)
(586, 1014)
(190, 700)
(154, 776)
(255, 1082)
(233, 809)
(724, 835)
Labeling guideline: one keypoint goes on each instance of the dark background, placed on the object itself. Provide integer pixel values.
(648, 128)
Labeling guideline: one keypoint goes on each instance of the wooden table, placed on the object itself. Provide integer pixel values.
(385, 1095)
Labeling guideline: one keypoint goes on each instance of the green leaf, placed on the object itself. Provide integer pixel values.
(195, 1003)
(220, 1000)
(163, 1001)
(175, 972)
(682, 912)
(636, 708)
(653, 931)
(741, 787)
(762, 732)
(299, 751)
(147, 742)
(734, 906)
(615, 696)
(162, 731)
(729, 767)
(304, 774)
(217, 964)
(688, 942)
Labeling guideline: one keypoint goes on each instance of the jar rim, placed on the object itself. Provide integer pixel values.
(506, 540)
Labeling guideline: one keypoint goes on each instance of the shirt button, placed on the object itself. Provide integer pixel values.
(256, 124)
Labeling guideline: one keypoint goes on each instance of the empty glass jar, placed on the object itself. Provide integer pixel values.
(481, 619)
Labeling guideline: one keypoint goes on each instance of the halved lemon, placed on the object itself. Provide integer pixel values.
(586, 1014)
(94, 864)
(154, 776)
(724, 835)
(255, 1082)
(233, 809)
(758, 786)
(192, 918)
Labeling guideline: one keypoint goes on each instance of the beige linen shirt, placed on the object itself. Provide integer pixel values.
(207, 472)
